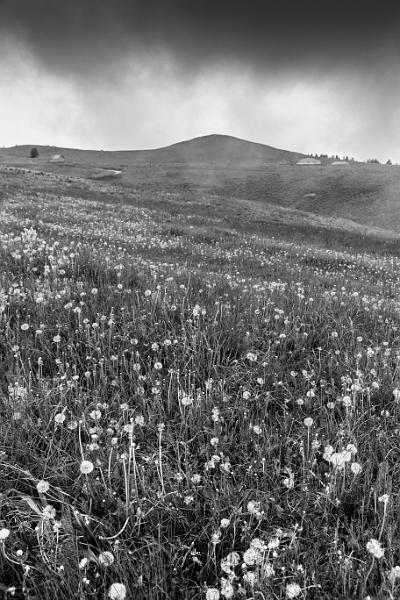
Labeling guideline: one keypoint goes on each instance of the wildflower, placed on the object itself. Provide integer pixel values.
(139, 420)
(117, 591)
(308, 421)
(59, 418)
(49, 512)
(4, 533)
(215, 414)
(253, 507)
(337, 460)
(158, 366)
(213, 594)
(86, 467)
(293, 590)
(257, 429)
(355, 468)
(384, 498)
(196, 478)
(224, 523)
(196, 310)
(346, 401)
(25, 326)
(42, 486)
(252, 557)
(351, 448)
(250, 578)
(106, 559)
(288, 482)
(95, 414)
(268, 570)
(251, 356)
(246, 395)
(394, 574)
(57, 339)
(186, 400)
(374, 547)
(227, 589)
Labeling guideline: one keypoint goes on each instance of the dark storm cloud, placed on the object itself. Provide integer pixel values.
(83, 36)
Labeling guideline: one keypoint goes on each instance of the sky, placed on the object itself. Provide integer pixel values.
(311, 76)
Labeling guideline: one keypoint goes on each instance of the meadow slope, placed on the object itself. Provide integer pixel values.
(199, 395)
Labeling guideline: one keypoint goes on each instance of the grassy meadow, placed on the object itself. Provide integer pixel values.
(198, 400)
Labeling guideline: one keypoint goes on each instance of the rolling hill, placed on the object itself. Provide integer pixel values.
(237, 173)
(209, 150)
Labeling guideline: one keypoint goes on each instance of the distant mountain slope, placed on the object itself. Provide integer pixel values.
(209, 149)
(223, 150)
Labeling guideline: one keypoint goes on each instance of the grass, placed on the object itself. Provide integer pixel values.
(190, 409)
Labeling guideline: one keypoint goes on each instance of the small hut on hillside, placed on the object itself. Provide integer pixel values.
(339, 162)
(308, 161)
(57, 158)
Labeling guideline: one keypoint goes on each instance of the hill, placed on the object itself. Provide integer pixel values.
(209, 149)
(239, 173)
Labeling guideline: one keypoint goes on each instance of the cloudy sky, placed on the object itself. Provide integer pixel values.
(311, 76)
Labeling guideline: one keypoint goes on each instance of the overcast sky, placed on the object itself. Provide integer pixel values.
(126, 74)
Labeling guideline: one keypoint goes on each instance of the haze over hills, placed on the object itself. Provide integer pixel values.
(238, 173)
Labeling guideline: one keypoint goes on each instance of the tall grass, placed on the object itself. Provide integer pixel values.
(182, 433)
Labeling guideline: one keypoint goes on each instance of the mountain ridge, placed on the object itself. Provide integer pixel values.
(208, 149)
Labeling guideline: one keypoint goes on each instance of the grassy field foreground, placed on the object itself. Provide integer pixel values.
(187, 415)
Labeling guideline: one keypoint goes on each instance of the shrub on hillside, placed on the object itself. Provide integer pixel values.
(34, 153)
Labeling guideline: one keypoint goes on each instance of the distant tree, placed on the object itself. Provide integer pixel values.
(389, 162)
(34, 152)
(373, 160)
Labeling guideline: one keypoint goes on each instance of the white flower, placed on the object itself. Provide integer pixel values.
(374, 547)
(394, 574)
(258, 544)
(268, 570)
(49, 512)
(337, 460)
(4, 533)
(117, 591)
(253, 507)
(346, 401)
(308, 421)
(227, 589)
(384, 498)
(251, 356)
(355, 468)
(42, 486)
(224, 523)
(106, 558)
(86, 467)
(252, 557)
(250, 578)
(293, 590)
(213, 594)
